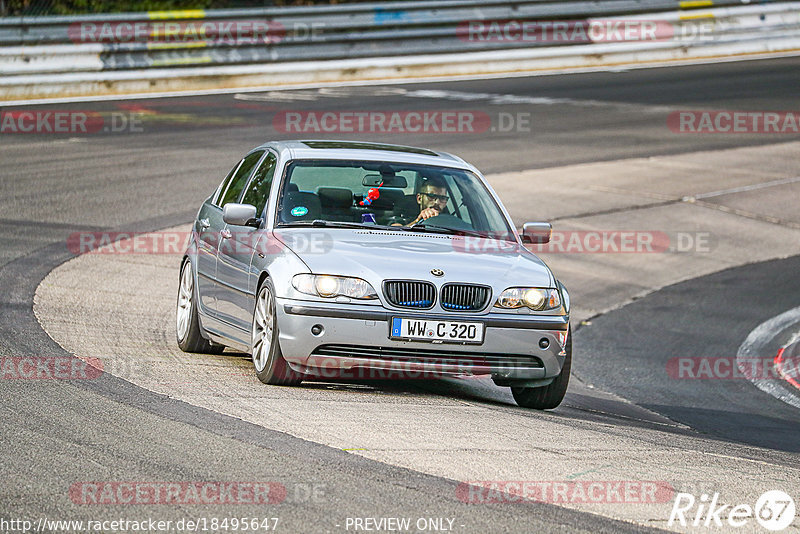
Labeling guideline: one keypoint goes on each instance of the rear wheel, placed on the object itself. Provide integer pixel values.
(187, 323)
(549, 396)
(271, 367)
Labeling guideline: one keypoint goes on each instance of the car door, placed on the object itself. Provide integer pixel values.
(235, 299)
(207, 228)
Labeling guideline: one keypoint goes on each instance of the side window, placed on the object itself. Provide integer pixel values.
(224, 185)
(240, 178)
(258, 190)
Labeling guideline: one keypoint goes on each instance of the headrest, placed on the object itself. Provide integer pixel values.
(387, 199)
(335, 197)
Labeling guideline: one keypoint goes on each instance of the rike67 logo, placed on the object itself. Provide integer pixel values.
(774, 510)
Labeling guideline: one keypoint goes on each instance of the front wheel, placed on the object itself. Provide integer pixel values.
(271, 367)
(549, 396)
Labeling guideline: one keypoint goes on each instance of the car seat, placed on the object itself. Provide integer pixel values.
(337, 204)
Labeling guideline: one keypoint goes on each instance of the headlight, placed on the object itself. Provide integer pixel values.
(323, 285)
(535, 298)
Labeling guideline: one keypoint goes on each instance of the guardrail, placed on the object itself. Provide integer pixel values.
(45, 56)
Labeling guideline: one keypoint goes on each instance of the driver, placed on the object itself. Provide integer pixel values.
(432, 199)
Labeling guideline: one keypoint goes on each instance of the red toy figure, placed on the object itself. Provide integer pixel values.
(372, 194)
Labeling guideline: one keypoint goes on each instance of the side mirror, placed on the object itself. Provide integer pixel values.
(240, 215)
(536, 232)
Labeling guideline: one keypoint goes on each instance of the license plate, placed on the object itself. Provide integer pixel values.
(436, 331)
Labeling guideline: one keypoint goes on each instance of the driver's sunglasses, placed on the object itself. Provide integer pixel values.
(440, 198)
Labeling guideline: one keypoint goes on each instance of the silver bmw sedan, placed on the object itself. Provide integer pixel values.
(335, 260)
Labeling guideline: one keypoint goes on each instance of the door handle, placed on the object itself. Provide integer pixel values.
(204, 223)
(226, 234)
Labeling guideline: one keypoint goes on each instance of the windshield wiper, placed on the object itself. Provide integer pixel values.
(442, 230)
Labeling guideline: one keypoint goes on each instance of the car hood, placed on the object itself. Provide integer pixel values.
(376, 255)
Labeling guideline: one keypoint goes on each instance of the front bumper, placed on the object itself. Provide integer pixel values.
(356, 337)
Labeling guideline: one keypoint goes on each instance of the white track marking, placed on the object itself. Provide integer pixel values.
(437, 94)
(753, 347)
(503, 99)
(280, 96)
(744, 188)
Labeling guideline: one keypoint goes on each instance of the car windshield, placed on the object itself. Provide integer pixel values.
(337, 193)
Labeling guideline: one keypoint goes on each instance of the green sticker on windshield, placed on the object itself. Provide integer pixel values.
(299, 211)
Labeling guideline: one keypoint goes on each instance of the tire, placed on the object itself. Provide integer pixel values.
(271, 368)
(549, 396)
(187, 324)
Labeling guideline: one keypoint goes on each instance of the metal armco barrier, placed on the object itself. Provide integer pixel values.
(174, 50)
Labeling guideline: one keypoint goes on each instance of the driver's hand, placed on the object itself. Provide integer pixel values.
(427, 213)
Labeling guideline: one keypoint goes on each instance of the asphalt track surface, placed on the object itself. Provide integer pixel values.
(57, 432)
(644, 335)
